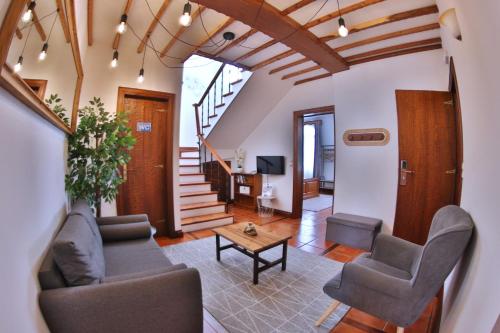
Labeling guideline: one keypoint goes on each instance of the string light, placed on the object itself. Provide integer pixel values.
(122, 27)
(45, 47)
(114, 62)
(19, 65)
(140, 78)
(28, 14)
(343, 31)
(186, 19)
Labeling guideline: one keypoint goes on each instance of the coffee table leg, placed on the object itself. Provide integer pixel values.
(256, 268)
(217, 246)
(283, 262)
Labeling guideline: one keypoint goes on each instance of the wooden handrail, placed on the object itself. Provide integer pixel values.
(221, 68)
(216, 155)
(197, 116)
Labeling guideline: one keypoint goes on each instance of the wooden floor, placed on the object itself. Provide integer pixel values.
(309, 235)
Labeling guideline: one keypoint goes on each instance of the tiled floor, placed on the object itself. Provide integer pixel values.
(309, 235)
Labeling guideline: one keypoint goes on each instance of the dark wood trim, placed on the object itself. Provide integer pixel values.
(453, 88)
(38, 86)
(169, 228)
(298, 171)
(90, 22)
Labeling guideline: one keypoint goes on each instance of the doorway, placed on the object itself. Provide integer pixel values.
(429, 160)
(314, 160)
(148, 188)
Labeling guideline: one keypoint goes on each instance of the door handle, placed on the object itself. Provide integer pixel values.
(159, 166)
(451, 172)
(404, 172)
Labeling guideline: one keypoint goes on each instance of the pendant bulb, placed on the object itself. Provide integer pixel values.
(114, 62)
(28, 14)
(186, 19)
(343, 31)
(122, 27)
(43, 53)
(19, 65)
(140, 78)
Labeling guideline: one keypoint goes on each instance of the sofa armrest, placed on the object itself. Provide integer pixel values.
(126, 231)
(165, 302)
(396, 252)
(362, 276)
(122, 219)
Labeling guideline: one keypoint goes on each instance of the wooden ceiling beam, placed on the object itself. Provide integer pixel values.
(19, 34)
(289, 65)
(213, 33)
(313, 78)
(430, 41)
(220, 59)
(181, 30)
(257, 50)
(277, 57)
(391, 35)
(282, 28)
(39, 27)
(397, 53)
(90, 22)
(116, 41)
(386, 20)
(153, 25)
(62, 19)
(237, 41)
(345, 10)
(302, 71)
(299, 5)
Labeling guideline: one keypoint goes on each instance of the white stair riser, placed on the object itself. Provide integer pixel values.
(190, 169)
(198, 199)
(207, 225)
(190, 154)
(188, 161)
(195, 188)
(192, 179)
(203, 211)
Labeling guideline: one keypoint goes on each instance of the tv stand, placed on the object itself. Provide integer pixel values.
(251, 181)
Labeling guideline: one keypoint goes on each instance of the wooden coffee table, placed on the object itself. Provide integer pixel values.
(252, 246)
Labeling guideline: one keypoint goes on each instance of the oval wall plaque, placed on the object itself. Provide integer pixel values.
(366, 137)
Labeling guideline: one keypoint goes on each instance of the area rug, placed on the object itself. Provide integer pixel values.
(316, 204)
(289, 301)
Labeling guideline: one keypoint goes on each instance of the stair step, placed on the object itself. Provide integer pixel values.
(188, 149)
(206, 126)
(228, 94)
(204, 218)
(195, 183)
(202, 205)
(220, 105)
(188, 165)
(192, 174)
(237, 81)
(190, 158)
(197, 193)
(213, 116)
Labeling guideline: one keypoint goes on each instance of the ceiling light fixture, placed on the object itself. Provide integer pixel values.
(19, 65)
(28, 14)
(140, 78)
(122, 27)
(114, 62)
(45, 47)
(186, 19)
(343, 31)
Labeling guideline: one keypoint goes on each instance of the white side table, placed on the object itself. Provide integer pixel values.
(264, 203)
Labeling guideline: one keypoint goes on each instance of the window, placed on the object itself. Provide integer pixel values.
(309, 149)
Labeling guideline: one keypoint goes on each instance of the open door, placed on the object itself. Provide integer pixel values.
(428, 165)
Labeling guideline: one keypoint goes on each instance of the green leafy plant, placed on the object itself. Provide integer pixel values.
(54, 103)
(97, 149)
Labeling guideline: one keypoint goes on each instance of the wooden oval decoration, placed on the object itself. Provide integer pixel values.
(366, 137)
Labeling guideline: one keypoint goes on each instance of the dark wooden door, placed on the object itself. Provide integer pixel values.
(427, 160)
(145, 188)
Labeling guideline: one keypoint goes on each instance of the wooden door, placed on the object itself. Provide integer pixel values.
(427, 160)
(145, 191)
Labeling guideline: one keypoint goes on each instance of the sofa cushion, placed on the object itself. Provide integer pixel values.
(82, 208)
(133, 256)
(77, 253)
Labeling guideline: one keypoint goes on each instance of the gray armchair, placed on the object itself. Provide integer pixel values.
(398, 279)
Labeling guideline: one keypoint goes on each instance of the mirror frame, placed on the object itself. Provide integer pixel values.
(13, 83)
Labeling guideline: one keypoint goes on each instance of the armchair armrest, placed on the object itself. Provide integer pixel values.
(366, 277)
(164, 302)
(126, 231)
(396, 252)
(122, 219)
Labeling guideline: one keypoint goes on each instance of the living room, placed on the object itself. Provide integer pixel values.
(63, 61)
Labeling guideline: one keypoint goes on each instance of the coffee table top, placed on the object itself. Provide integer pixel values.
(263, 241)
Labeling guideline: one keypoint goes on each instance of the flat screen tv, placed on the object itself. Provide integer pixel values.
(271, 165)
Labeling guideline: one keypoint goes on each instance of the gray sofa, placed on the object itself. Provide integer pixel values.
(109, 275)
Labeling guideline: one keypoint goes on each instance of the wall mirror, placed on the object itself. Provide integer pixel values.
(40, 59)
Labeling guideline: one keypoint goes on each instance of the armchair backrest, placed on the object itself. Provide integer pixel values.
(449, 235)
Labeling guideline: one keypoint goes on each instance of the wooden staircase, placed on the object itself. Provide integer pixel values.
(200, 208)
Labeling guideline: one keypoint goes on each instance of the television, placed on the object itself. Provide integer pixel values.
(271, 165)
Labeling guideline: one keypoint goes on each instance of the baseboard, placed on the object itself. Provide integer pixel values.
(283, 213)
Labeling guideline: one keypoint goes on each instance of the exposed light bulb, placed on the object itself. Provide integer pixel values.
(114, 62)
(28, 14)
(19, 65)
(43, 53)
(122, 27)
(343, 31)
(140, 78)
(186, 19)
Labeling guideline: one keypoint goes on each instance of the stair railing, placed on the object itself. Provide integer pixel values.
(211, 163)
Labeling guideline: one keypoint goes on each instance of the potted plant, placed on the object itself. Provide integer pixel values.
(96, 150)
(54, 102)
(239, 156)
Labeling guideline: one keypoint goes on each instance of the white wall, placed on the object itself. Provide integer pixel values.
(32, 206)
(472, 294)
(364, 97)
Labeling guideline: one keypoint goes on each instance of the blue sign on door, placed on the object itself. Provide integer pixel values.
(143, 127)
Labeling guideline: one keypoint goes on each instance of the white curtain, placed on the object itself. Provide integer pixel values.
(309, 148)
